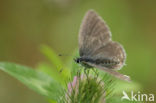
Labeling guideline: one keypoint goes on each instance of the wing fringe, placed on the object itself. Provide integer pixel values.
(113, 73)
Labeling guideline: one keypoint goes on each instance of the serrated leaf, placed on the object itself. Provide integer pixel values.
(35, 80)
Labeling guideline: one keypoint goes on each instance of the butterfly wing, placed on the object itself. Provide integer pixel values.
(112, 51)
(95, 43)
(112, 72)
(93, 33)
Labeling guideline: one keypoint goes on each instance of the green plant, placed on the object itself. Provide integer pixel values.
(69, 83)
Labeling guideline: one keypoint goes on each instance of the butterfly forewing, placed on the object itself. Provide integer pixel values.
(93, 33)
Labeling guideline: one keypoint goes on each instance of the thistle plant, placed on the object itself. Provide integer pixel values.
(68, 82)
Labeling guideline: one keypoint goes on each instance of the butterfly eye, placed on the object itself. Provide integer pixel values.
(77, 60)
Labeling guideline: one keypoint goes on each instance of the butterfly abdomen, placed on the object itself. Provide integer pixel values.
(106, 63)
(102, 62)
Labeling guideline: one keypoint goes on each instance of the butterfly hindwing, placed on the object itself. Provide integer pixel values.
(112, 51)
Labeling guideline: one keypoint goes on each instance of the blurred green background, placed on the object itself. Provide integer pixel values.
(26, 24)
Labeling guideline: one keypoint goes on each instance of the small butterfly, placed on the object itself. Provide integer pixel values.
(96, 48)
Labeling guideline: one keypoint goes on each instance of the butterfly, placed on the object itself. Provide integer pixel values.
(96, 48)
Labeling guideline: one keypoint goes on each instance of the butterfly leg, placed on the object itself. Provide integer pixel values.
(86, 72)
(95, 71)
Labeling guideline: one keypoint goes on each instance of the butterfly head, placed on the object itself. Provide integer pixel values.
(83, 62)
(77, 60)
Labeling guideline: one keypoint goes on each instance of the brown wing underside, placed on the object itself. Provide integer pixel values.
(112, 51)
(95, 43)
(93, 33)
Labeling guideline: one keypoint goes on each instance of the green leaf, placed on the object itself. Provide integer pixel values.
(56, 62)
(35, 80)
(51, 71)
